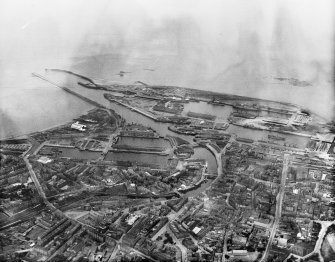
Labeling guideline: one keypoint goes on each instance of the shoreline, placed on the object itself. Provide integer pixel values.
(26, 135)
(139, 111)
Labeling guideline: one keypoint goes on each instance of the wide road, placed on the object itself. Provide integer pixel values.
(34, 146)
(279, 204)
(182, 248)
(35, 179)
(37, 183)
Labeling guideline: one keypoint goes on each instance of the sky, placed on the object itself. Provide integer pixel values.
(233, 46)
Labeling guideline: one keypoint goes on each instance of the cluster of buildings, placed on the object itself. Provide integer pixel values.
(17, 189)
(97, 207)
(78, 126)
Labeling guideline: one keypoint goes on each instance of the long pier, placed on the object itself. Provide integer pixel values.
(72, 73)
(132, 108)
(70, 91)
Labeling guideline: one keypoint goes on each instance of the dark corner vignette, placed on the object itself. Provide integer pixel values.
(167, 130)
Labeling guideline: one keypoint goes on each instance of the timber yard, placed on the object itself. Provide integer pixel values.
(164, 173)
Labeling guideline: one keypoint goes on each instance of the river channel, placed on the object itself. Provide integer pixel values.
(222, 112)
(162, 128)
(75, 153)
(139, 158)
(203, 153)
(144, 142)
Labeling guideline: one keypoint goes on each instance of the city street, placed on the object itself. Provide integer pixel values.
(279, 202)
